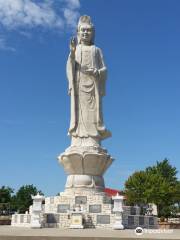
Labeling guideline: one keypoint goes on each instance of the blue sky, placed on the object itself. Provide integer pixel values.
(140, 41)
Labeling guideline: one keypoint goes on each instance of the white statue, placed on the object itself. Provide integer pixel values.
(85, 161)
(86, 73)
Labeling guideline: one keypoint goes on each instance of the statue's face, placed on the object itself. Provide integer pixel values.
(86, 33)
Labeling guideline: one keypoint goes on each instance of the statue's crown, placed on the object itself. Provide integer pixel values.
(85, 20)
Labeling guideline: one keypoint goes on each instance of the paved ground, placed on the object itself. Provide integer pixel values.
(17, 233)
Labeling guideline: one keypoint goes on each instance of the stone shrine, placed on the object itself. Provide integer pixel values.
(84, 203)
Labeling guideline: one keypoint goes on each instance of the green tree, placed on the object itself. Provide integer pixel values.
(23, 199)
(5, 198)
(157, 184)
(5, 194)
(135, 188)
(165, 170)
(169, 187)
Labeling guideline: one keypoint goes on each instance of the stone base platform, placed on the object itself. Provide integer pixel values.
(96, 209)
(86, 209)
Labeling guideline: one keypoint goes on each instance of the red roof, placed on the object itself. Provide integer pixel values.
(112, 192)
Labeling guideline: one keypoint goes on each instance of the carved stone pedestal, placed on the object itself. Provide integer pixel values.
(85, 167)
(118, 222)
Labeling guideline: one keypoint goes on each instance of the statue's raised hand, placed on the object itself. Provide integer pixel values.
(72, 46)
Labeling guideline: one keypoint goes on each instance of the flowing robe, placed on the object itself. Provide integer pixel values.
(86, 93)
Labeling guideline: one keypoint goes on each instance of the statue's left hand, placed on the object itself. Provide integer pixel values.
(92, 71)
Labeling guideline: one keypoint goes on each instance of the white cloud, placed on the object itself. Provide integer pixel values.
(33, 13)
(71, 17)
(70, 12)
(4, 46)
(28, 13)
(72, 4)
(22, 15)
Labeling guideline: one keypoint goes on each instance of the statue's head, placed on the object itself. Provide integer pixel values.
(85, 30)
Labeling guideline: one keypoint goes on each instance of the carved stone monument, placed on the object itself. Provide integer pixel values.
(85, 161)
(84, 203)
